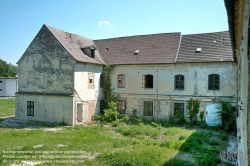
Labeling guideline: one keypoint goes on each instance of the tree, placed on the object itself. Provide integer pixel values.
(7, 70)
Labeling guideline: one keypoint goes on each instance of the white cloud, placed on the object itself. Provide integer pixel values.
(104, 22)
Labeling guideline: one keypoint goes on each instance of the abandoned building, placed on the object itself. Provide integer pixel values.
(238, 20)
(60, 75)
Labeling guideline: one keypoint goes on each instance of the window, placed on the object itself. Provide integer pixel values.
(1, 90)
(121, 81)
(30, 108)
(91, 81)
(147, 81)
(1, 81)
(148, 108)
(178, 109)
(214, 82)
(121, 106)
(101, 107)
(101, 80)
(179, 82)
(92, 53)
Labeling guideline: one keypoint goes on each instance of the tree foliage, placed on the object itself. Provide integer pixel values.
(194, 108)
(7, 70)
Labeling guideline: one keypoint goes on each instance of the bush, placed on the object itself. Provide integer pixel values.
(111, 113)
(115, 123)
(227, 113)
(134, 111)
(223, 136)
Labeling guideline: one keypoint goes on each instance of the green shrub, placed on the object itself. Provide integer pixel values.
(97, 117)
(125, 119)
(171, 118)
(115, 123)
(227, 113)
(214, 142)
(223, 136)
(111, 113)
(134, 111)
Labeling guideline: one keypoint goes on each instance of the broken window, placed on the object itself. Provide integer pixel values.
(148, 108)
(214, 82)
(179, 82)
(91, 81)
(30, 108)
(147, 81)
(121, 81)
(178, 109)
(121, 106)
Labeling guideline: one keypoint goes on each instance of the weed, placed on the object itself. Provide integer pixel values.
(115, 123)
(134, 111)
(223, 136)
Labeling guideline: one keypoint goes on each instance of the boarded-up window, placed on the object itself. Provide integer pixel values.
(148, 108)
(121, 107)
(30, 108)
(179, 82)
(178, 109)
(214, 82)
(147, 81)
(121, 81)
(91, 81)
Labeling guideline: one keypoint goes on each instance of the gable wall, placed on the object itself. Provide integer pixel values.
(46, 67)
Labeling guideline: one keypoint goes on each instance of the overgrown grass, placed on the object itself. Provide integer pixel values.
(7, 107)
(100, 143)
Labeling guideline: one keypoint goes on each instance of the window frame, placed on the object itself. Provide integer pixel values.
(101, 105)
(212, 82)
(121, 80)
(30, 106)
(146, 83)
(177, 78)
(122, 104)
(181, 105)
(145, 106)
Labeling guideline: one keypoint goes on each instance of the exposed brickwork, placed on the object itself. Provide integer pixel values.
(91, 106)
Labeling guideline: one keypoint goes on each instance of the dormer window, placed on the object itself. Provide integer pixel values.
(92, 53)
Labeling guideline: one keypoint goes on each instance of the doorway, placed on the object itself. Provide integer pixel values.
(79, 112)
(212, 118)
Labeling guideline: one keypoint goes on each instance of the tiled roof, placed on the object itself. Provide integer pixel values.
(215, 47)
(73, 44)
(156, 48)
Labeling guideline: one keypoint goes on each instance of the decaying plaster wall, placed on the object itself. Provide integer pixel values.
(163, 93)
(53, 109)
(46, 76)
(46, 67)
(89, 93)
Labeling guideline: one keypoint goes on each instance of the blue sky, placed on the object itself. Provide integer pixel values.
(99, 19)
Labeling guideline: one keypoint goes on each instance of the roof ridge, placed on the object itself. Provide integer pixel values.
(138, 36)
